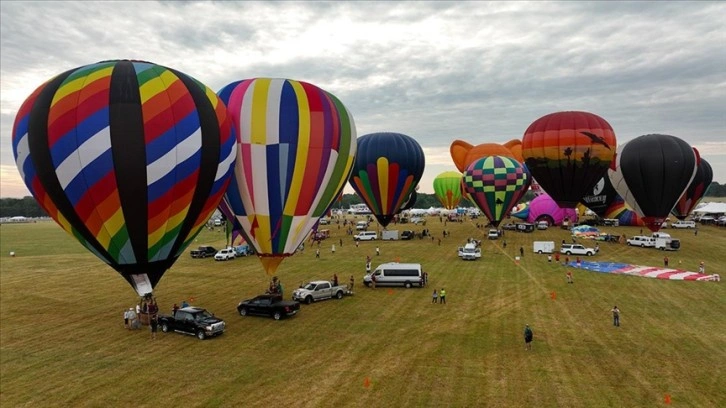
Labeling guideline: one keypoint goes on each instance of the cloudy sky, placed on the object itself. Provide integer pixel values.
(437, 71)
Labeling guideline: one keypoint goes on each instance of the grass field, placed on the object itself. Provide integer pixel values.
(62, 341)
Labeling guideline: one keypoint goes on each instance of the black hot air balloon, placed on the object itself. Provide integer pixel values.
(695, 191)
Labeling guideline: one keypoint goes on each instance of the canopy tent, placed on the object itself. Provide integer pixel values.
(711, 208)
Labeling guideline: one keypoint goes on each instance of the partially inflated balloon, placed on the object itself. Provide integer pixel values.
(651, 172)
(296, 149)
(544, 208)
(494, 183)
(128, 157)
(387, 168)
(695, 191)
(447, 188)
(568, 152)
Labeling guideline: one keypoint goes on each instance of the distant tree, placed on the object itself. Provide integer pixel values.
(716, 190)
(25, 207)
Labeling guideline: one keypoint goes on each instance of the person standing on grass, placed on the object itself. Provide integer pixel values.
(528, 335)
(569, 276)
(665, 261)
(317, 253)
(352, 281)
(153, 326)
(378, 251)
(521, 251)
(442, 295)
(434, 297)
(616, 316)
(126, 319)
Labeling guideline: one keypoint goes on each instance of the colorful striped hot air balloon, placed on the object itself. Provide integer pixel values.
(695, 191)
(296, 150)
(568, 153)
(447, 187)
(129, 157)
(386, 172)
(495, 183)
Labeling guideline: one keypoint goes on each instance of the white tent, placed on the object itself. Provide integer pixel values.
(711, 208)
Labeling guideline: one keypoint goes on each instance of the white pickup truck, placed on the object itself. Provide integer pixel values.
(470, 252)
(319, 290)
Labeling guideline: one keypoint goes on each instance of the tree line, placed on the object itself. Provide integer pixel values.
(28, 207)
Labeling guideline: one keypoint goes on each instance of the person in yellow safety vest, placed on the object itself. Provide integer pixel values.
(442, 296)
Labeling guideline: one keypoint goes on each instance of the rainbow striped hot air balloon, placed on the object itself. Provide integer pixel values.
(495, 183)
(447, 187)
(386, 172)
(129, 157)
(296, 150)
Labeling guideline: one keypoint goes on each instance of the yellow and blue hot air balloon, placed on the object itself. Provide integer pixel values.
(296, 150)
(129, 157)
(386, 173)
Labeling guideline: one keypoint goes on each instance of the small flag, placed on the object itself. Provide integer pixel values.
(667, 399)
(366, 382)
(553, 295)
(390, 291)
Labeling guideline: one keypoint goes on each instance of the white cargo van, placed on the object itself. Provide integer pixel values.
(683, 224)
(544, 247)
(366, 236)
(396, 274)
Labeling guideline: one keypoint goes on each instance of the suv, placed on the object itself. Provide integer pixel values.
(224, 254)
(493, 234)
(576, 249)
(641, 241)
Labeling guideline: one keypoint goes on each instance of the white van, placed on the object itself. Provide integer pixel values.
(366, 236)
(641, 241)
(396, 274)
(544, 247)
(683, 224)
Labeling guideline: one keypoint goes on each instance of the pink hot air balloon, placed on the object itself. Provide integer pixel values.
(544, 208)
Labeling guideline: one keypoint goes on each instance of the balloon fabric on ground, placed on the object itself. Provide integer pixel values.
(568, 153)
(651, 173)
(387, 169)
(128, 157)
(297, 143)
(494, 183)
(447, 187)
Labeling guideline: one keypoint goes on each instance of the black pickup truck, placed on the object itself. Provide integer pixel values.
(194, 321)
(203, 252)
(268, 305)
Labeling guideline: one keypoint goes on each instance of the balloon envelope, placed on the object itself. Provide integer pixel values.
(544, 208)
(651, 172)
(129, 157)
(387, 168)
(447, 188)
(296, 149)
(695, 191)
(568, 152)
(494, 183)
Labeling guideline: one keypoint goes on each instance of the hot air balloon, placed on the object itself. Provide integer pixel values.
(447, 188)
(651, 173)
(296, 150)
(463, 153)
(625, 215)
(568, 152)
(544, 208)
(387, 168)
(129, 157)
(493, 183)
(600, 197)
(695, 191)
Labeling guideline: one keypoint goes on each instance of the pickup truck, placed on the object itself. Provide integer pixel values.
(203, 251)
(319, 290)
(268, 305)
(194, 321)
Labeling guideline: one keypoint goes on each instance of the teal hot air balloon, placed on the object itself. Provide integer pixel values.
(495, 183)
(447, 187)
(386, 171)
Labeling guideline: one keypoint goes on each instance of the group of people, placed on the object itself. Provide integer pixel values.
(439, 297)
(275, 287)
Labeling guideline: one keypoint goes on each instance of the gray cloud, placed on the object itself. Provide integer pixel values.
(437, 71)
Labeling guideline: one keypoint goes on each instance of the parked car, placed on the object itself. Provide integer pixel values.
(203, 252)
(406, 235)
(396, 274)
(319, 290)
(493, 234)
(224, 254)
(641, 241)
(324, 221)
(418, 220)
(543, 225)
(470, 252)
(268, 305)
(577, 249)
(525, 227)
(509, 227)
(683, 224)
(366, 236)
(194, 321)
(721, 221)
